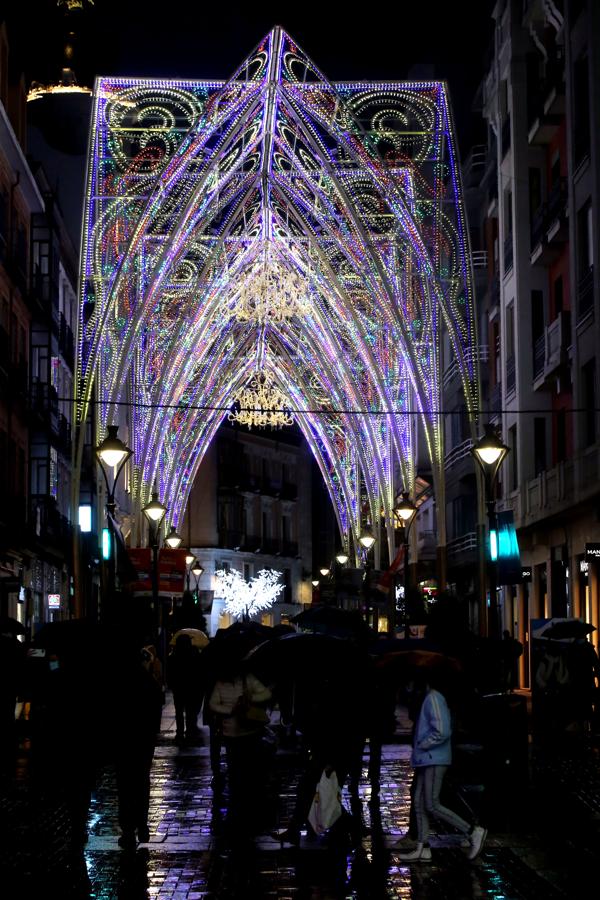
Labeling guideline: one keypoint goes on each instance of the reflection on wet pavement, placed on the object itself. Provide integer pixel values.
(188, 856)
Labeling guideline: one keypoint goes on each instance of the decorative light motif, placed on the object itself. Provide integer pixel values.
(261, 404)
(244, 598)
(348, 197)
(270, 291)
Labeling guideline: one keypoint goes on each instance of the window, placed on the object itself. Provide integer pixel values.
(581, 110)
(508, 214)
(510, 330)
(539, 445)
(585, 245)
(514, 460)
(538, 323)
(588, 373)
(535, 191)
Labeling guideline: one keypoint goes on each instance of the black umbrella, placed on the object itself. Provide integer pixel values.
(314, 675)
(81, 639)
(8, 625)
(307, 657)
(323, 619)
(564, 629)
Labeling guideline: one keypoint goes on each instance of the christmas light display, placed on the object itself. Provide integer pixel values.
(282, 224)
(261, 404)
(244, 598)
(269, 291)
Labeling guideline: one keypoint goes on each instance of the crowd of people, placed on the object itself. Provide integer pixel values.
(82, 718)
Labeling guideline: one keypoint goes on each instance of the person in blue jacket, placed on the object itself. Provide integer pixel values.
(431, 756)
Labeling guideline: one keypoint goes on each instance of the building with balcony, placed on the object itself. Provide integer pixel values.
(543, 327)
(250, 508)
(37, 315)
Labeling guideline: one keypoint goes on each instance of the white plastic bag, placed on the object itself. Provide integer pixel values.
(326, 807)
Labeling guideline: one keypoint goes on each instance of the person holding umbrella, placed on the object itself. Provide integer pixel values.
(431, 756)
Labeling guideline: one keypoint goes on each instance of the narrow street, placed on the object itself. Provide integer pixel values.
(534, 849)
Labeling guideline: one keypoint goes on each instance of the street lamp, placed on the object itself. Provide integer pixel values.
(197, 571)
(367, 540)
(324, 571)
(154, 512)
(490, 452)
(404, 515)
(341, 559)
(111, 453)
(189, 559)
(173, 539)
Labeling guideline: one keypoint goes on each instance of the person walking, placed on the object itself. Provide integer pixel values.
(431, 757)
(235, 700)
(184, 678)
(333, 720)
(138, 705)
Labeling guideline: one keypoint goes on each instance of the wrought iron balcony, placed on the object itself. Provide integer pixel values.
(47, 523)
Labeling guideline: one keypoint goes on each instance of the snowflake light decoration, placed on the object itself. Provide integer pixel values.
(244, 598)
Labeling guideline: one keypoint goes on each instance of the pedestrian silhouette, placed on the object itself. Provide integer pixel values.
(185, 679)
(236, 697)
(137, 707)
(511, 650)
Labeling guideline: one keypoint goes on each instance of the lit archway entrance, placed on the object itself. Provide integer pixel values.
(339, 207)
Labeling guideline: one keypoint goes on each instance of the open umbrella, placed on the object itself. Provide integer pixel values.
(564, 629)
(8, 625)
(198, 638)
(406, 663)
(307, 657)
(324, 619)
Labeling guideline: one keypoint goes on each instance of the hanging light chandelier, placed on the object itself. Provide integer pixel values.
(261, 404)
(270, 291)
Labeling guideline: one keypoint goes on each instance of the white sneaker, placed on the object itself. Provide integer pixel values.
(421, 853)
(477, 840)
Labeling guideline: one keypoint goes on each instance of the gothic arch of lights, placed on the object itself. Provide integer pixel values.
(358, 186)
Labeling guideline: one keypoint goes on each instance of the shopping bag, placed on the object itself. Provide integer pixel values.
(326, 807)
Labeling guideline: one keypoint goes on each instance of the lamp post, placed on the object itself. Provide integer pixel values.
(490, 452)
(189, 559)
(111, 453)
(197, 571)
(367, 540)
(405, 513)
(154, 512)
(341, 559)
(173, 539)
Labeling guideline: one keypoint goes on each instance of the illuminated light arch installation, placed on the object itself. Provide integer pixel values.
(357, 186)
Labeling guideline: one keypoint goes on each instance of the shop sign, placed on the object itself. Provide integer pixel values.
(53, 601)
(592, 551)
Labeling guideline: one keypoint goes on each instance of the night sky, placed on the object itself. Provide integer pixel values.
(198, 40)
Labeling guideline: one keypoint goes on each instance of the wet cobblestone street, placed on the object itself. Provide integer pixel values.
(526, 857)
